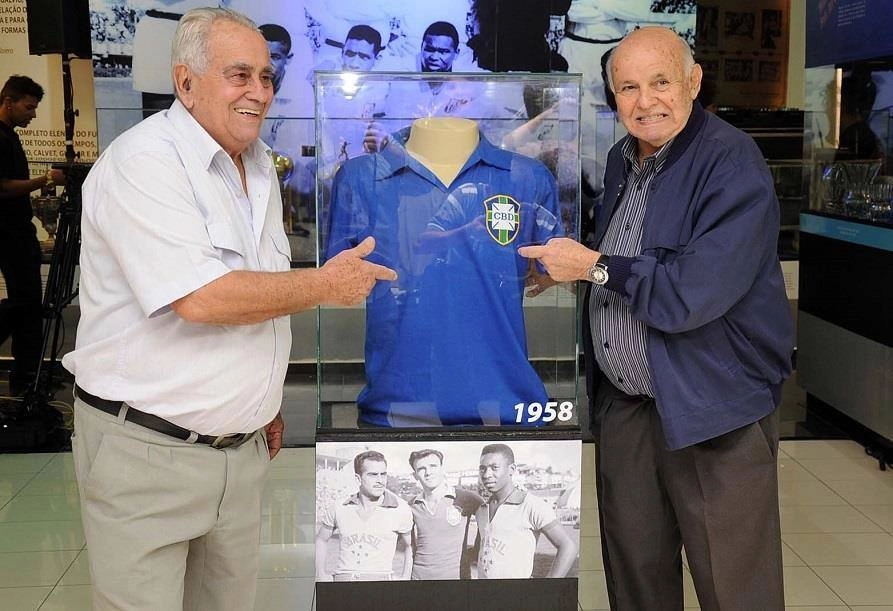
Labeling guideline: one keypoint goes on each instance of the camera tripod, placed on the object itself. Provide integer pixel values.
(36, 423)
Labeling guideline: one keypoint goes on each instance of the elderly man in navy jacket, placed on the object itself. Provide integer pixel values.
(688, 339)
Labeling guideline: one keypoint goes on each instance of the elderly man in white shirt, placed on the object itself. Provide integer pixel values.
(184, 337)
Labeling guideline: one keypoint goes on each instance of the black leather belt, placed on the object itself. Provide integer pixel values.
(158, 424)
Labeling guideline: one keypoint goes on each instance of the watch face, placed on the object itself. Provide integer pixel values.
(598, 274)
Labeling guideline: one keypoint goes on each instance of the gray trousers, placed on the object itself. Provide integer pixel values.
(169, 525)
(718, 498)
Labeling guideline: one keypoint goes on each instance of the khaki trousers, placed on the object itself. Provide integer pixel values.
(169, 525)
(718, 498)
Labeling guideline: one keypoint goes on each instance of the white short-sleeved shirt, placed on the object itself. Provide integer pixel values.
(163, 215)
(508, 541)
(368, 545)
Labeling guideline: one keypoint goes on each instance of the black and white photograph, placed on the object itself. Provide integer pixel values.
(710, 68)
(747, 40)
(770, 28)
(769, 71)
(708, 26)
(447, 510)
(131, 42)
(739, 24)
(738, 70)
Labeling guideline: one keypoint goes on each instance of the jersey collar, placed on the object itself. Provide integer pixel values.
(516, 497)
(449, 491)
(395, 158)
(389, 501)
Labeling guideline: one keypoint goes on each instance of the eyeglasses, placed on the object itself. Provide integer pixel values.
(629, 90)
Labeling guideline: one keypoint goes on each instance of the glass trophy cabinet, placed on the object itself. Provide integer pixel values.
(467, 362)
(456, 339)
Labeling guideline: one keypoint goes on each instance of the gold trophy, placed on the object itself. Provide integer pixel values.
(284, 168)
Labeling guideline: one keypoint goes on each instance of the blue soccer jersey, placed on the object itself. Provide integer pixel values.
(445, 343)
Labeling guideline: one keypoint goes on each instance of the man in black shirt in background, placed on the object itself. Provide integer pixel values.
(20, 312)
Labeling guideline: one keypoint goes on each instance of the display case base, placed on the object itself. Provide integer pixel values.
(484, 595)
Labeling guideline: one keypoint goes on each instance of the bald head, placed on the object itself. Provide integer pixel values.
(655, 80)
(653, 35)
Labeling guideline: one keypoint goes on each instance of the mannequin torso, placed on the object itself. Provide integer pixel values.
(443, 144)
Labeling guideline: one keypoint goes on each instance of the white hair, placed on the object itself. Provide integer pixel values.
(190, 45)
(688, 57)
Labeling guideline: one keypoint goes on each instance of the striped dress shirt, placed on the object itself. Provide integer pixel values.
(618, 339)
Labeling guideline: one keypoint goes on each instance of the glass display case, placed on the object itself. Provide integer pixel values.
(853, 189)
(846, 253)
(848, 140)
(792, 179)
(450, 174)
(831, 179)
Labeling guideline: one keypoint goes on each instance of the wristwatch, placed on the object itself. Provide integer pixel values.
(598, 273)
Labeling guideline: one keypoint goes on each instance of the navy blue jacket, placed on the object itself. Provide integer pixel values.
(707, 283)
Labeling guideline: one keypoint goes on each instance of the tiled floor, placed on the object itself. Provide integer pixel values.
(836, 510)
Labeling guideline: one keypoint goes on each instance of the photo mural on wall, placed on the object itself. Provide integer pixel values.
(131, 47)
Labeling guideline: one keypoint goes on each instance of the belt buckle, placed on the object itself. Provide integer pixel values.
(224, 441)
